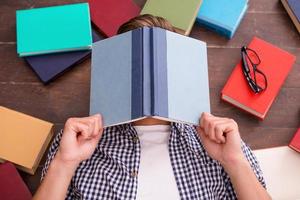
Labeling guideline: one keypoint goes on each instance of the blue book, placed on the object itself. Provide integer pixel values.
(222, 16)
(295, 7)
(50, 66)
(53, 29)
(149, 72)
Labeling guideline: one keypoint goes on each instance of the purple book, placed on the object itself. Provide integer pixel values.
(50, 66)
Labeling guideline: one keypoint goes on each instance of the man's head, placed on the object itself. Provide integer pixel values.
(146, 20)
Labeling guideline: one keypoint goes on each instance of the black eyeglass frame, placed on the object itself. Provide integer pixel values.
(247, 73)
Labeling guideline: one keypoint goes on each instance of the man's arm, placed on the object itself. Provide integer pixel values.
(221, 140)
(79, 140)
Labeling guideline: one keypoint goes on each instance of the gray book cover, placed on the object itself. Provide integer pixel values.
(149, 72)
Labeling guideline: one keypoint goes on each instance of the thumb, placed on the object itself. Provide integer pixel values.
(201, 133)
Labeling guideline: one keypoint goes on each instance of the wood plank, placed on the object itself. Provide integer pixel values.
(265, 6)
(8, 18)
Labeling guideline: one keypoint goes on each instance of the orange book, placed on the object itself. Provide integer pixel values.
(23, 139)
(275, 63)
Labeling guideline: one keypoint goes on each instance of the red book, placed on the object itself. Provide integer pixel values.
(12, 186)
(275, 63)
(108, 15)
(295, 142)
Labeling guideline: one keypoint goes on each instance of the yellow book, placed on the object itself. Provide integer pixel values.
(23, 139)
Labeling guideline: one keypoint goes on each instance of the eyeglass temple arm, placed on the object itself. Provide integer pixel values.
(244, 60)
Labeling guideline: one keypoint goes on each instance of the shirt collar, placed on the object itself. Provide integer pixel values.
(129, 129)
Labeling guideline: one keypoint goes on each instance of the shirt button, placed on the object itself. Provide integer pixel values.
(135, 139)
(134, 174)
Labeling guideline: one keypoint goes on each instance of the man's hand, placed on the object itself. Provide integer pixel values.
(80, 138)
(221, 139)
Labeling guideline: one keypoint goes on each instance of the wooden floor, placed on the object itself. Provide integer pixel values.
(68, 96)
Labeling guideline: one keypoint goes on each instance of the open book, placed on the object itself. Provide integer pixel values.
(149, 72)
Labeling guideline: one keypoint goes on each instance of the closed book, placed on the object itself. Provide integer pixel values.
(23, 139)
(293, 9)
(49, 66)
(221, 16)
(280, 168)
(149, 72)
(275, 64)
(181, 14)
(53, 29)
(295, 142)
(109, 15)
(12, 187)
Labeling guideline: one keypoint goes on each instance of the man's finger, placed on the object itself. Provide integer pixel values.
(82, 129)
(98, 125)
(219, 133)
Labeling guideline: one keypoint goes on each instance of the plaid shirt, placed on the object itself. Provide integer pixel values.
(111, 172)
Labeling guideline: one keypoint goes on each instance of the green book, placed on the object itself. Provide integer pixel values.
(181, 14)
(53, 29)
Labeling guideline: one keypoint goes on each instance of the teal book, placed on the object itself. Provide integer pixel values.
(149, 72)
(53, 29)
(222, 16)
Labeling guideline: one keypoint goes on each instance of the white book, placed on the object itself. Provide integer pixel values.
(281, 170)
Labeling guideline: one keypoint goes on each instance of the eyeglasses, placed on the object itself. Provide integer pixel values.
(255, 78)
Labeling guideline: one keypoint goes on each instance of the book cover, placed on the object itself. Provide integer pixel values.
(275, 64)
(50, 66)
(295, 142)
(221, 16)
(24, 139)
(181, 14)
(280, 167)
(12, 187)
(51, 29)
(109, 15)
(149, 72)
(293, 9)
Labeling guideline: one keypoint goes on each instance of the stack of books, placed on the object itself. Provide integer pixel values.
(51, 45)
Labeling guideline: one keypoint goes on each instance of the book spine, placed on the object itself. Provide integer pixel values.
(137, 74)
(159, 77)
(295, 142)
(146, 72)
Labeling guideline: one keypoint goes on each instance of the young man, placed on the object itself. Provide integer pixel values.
(150, 158)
